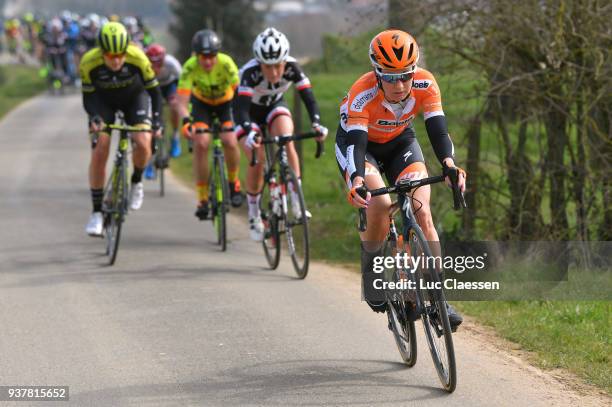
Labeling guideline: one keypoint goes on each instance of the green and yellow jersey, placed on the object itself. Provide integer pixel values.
(214, 87)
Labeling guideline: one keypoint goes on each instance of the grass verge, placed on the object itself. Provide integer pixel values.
(18, 83)
(573, 335)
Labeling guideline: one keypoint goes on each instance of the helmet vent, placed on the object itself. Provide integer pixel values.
(398, 52)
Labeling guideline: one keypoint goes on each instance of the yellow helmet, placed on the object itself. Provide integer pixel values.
(113, 38)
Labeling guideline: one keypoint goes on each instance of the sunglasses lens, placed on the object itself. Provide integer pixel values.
(392, 78)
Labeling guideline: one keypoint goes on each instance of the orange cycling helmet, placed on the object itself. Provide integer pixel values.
(395, 50)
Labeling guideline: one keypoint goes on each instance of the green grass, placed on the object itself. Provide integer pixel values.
(18, 83)
(573, 335)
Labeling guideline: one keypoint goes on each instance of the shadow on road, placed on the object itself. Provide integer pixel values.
(289, 383)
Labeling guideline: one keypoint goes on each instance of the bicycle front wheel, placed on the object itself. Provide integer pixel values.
(219, 194)
(296, 224)
(404, 331)
(433, 313)
(401, 311)
(270, 207)
(115, 208)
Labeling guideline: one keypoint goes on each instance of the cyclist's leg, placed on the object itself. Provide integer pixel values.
(279, 122)
(255, 173)
(97, 166)
(137, 112)
(378, 220)
(169, 93)
(228, 138)
(202, 119)
(232, 153)
(254, 176)
(100, 147)
(407, 162)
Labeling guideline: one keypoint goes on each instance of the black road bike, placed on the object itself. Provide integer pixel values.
(219, 188)
(115, 203)
(424, 298)
(282, 192)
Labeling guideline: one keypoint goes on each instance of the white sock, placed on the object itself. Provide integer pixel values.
(294, 195)
(253, 201)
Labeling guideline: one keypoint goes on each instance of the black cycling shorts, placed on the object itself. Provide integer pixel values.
(263, 116)
(205, 113)
(399, 158)
(136, 110)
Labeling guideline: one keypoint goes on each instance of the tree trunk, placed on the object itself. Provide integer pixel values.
(472, 168)
(580, 175)
(556, 133)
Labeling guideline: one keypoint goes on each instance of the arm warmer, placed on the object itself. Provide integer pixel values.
(356, 152)
(242, 106)
(156, 102)
(437, 130)
(311, 105)
(90, 103)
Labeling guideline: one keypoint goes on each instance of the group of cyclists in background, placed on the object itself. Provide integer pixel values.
(122, 70)
(58, 42)
(208, 88)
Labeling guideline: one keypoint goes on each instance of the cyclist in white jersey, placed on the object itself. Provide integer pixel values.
(263, 81)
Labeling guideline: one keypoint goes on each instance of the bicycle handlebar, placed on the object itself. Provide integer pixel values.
(124, 127)
(210, 130)
(286, 138)
(406, 186)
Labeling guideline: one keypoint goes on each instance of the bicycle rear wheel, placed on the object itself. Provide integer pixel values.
(115, 208)
(433, 314)
(219, 194)
(296, 224)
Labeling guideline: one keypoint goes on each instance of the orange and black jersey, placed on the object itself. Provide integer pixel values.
(365, 107)
(101, 84)
(367, 117)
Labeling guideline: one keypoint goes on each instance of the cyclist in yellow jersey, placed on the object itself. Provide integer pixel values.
(208, 80)
(117, 76)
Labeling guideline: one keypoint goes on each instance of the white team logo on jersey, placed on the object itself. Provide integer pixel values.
(363, 98)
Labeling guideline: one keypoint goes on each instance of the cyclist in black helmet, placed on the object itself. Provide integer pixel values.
(208, 80)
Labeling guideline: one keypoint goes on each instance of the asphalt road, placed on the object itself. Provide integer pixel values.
(176, 322)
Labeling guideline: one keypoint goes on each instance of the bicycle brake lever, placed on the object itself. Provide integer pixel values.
(320, 149)
(363, 219)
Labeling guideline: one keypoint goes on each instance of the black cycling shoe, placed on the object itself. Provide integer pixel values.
(378, 306)
(454, 317)
(202, 211)
(236, 197)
